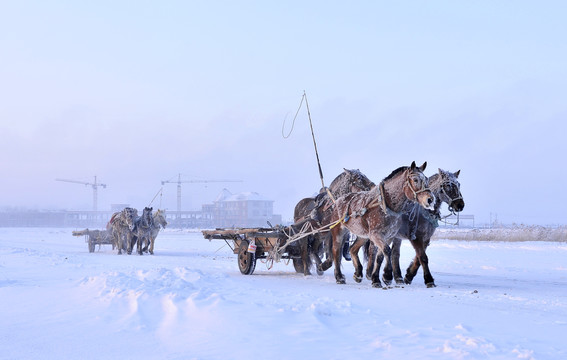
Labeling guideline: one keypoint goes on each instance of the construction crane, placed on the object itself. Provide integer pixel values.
(94, 185)
(179, 181)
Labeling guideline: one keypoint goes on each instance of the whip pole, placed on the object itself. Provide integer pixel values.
(315, 145)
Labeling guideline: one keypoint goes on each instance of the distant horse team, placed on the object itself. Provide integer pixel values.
(127, 229)
(405, 204)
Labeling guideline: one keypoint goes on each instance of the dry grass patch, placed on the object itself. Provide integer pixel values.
(516, 233)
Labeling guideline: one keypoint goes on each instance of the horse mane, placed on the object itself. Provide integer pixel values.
(395, 172)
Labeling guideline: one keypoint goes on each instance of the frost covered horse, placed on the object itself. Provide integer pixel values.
(120, 226)
(419, 225)
(319, 209)
(158, 223)
(142, 230)
(376, 214)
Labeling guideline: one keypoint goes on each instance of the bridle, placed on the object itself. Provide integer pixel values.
(424, 186)
(451, 200)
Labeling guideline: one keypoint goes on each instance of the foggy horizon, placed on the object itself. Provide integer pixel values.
(136, 94)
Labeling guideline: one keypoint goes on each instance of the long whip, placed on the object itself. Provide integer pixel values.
(304, 97)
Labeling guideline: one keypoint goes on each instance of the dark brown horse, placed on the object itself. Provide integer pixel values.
(376, 214)
(319, 209)
(418, 225)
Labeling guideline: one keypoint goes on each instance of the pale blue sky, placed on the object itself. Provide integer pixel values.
(138, 91)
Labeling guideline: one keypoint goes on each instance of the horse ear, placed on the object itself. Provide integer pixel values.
(413, 166)
(457, 173)
(422, 167)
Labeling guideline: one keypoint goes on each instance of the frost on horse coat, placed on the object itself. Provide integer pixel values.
(376, 214)
(120, 226)
(418, 225)
(142, 230)
(319, 209)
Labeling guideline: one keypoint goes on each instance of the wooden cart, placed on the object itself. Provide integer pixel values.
(251, 244)
(95, 237)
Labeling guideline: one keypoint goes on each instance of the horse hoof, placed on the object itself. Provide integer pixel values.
(357, 278)
(320, 273)
(431, 285)
(399, 281)
(341, 280)
(151, 252)
(407, 281)
(369, 277)
(386, 281)
(376, 285)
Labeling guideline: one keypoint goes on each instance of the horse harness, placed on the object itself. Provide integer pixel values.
(381, 201)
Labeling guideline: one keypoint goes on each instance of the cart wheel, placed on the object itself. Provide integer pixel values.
(246, 260)
(91, 246)
(298, 265)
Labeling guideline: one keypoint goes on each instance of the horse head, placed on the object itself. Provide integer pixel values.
(160, 218)
(147, 218)
(450, 190)
(416, 186)
(358, 181)
(129, 216)
(350, 181)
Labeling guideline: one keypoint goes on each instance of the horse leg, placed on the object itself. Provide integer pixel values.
(328, 245)
(314, 244)
(354, 249)
(304, 249)
(117, 241)
(411, 270)
(424, 261)
(130, 241)
(141, 241)
(338, 253)
(151, 247)
(396, 245)
(377, 239)
(414, 265)
(372, 255)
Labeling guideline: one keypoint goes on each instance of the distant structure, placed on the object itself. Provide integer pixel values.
(179, 182)
(247, 209)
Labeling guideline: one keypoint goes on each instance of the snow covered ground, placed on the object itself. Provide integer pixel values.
(497, 300)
